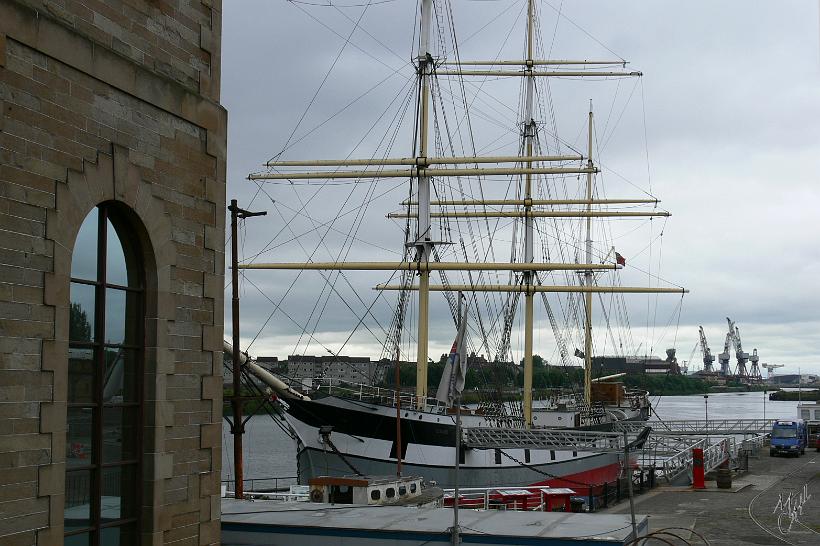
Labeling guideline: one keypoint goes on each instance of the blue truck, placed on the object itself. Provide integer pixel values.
(789, 437)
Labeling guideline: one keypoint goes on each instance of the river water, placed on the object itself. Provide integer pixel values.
(268, 451)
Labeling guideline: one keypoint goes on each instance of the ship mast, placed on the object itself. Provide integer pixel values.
(529, 135)
(422, 169)
(588, 276)
(423, 183)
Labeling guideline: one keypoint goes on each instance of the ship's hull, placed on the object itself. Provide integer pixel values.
(363, 440)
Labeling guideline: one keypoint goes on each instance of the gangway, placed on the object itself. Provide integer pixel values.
(700, 427)
(547, 438)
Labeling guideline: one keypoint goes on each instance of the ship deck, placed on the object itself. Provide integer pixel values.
(264, 522)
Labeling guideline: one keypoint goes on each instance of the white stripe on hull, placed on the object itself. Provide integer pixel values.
(480, 467)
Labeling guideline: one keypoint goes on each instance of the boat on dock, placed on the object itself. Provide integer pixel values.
(519, 198)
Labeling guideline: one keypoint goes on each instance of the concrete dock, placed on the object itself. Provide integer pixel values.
(777, 501)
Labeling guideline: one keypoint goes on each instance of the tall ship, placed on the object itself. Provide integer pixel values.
(536, 199)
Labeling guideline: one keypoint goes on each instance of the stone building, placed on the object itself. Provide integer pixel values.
(112, 200)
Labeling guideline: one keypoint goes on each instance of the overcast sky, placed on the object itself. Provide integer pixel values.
(723, 128)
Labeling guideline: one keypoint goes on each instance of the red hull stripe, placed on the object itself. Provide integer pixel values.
(595, 477)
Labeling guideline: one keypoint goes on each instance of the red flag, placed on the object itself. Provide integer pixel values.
(620, 260)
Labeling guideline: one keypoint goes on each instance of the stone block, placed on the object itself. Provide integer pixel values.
(53, 417)
(212, 387)
(51, 480)
(208, 533)
(210, 435)
(211, 338)
(206, 38)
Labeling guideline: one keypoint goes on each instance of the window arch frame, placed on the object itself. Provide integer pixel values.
(134, 314)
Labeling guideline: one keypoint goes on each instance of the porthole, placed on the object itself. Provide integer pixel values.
(402, 490)
(390, 492)
(375, 495)
(412, 488)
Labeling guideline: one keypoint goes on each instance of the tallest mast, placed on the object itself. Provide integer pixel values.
(588, 275)
(529, 136)
(423, 237)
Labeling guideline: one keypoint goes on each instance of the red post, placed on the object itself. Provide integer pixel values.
(698, 478)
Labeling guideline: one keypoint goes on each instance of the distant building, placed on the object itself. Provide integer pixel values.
(350, 369)
(607, 365)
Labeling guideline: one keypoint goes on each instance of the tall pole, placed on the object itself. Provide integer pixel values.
(588, 277)
(529, 135)
(397, 375)
(237, 427)
(423, 239)
(456, 530)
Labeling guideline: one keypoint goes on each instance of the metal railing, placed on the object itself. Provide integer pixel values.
(701, 427)
(265, 485)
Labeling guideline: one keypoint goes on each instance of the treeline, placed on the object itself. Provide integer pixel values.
(491, 375)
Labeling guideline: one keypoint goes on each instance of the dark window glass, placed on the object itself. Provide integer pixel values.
(77, 499)
(375, 494)
(402, 491)
(119, 434)
(390, 492)
(104, 417)
(84, 259)
(83, 539)
(81, 313)
(79, 437)
(412, 488)
(81, 365)
(114, 316)
(120, 379)
(122, 535)
(115, 270)
(118, 493)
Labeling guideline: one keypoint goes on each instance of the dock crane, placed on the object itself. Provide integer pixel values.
(723, 357)
(742, 357)
(771, 367)
(755, 371)
(708, 358)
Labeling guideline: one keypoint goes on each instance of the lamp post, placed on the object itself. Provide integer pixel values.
(706, 407)
(765, 396)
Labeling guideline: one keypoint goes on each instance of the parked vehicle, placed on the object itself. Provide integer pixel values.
(814, 434)
(789, 437)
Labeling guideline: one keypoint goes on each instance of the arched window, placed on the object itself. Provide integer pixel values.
(105, 370)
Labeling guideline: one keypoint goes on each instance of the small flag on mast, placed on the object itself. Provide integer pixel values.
(620, 260)
(455, 370)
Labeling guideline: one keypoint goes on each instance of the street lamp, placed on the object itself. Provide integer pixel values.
(765, 396)
(706, 407)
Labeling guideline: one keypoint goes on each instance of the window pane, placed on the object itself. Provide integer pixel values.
(84, 256)
(123, 317)
(123, 535)
(82, 539)
(119, 493)
(78, 439)
(115, 270)
(119, 434)
(120, 383)
(114, 315)
(81, 313)
(77, 499)
(81, 374)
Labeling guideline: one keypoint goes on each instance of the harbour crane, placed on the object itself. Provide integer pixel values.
(770, 367)
(742, 358)
(708, 358)
(755, 371)
(723, 357)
